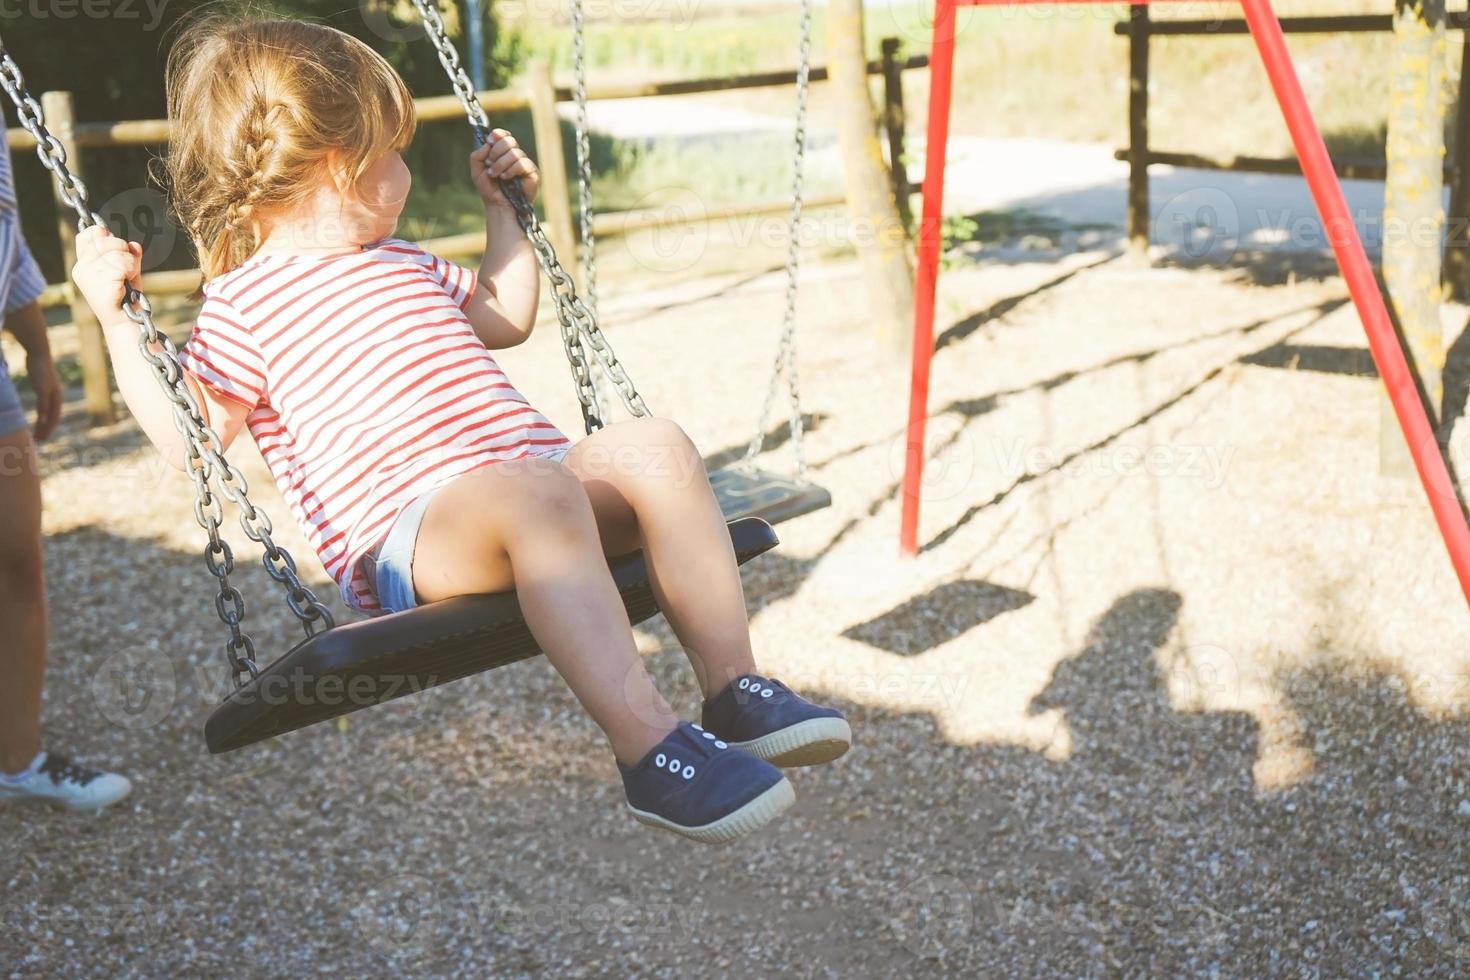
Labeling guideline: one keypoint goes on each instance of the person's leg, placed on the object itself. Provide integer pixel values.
(22, 603)
(25, 774)
(649, 490)
(529, 525)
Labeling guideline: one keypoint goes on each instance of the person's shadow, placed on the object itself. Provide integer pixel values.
(1141, 842)
(1119, 713)
(1150, 848)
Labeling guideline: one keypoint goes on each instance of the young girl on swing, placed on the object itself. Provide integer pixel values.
(361, 366)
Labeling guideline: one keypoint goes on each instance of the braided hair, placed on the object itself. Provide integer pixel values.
(265, 113)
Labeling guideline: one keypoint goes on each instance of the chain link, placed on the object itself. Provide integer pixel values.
(786, 354)
(584, 157)
(587, 255)
(576, 319)
(204, 452)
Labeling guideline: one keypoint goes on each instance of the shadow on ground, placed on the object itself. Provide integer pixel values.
(481, 825)
(1147, 848)
(1151, 850)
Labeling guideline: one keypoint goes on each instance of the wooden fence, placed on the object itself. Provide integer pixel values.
(1139, 28)
(536, 92)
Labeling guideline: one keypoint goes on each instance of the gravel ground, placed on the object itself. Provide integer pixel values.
(1177, 685)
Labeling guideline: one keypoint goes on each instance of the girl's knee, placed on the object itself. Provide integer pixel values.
(653, 431)
(552, 495)
(667, 450)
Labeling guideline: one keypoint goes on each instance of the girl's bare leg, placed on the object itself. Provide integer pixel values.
(649, 489)
(22, 603)
(529, 525)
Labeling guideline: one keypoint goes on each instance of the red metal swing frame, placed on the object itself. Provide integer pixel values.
(1393, 367)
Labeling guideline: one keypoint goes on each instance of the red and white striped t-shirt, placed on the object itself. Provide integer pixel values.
(367, 388)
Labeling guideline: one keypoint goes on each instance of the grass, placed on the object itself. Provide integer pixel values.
(1054, 72)
(1035, 71)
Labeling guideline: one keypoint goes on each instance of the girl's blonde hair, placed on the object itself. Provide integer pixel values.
(263, 112)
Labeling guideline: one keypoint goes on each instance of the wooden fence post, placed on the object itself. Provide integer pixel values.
(551, 158)
(1457, 243)
(1138, 207)
(876, 231)
(60, 112)
(893, 125)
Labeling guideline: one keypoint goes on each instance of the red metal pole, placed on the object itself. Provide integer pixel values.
(1362, 286)
(941, 70)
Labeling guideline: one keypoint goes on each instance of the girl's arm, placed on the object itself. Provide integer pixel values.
(503, 307)
(105, 265)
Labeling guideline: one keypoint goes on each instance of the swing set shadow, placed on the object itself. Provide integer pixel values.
(1397, 376)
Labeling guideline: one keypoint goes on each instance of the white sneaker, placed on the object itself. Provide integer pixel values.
(57, 780)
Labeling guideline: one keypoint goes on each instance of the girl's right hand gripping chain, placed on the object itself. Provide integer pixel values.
(105, 266)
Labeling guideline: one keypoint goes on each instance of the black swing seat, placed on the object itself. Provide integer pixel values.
(750, 492)
(361, 664)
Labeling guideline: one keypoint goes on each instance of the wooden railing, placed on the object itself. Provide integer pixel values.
(535, 92)
(1139, 28)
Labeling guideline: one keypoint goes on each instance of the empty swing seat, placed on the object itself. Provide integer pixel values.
(751, 492)
(361, 664)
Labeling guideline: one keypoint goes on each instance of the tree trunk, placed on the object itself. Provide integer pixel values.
(1413, 207)
(1457, 241)
(876, 228)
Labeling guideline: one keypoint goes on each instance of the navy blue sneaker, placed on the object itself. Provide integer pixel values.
(770, 721)
(691, 783)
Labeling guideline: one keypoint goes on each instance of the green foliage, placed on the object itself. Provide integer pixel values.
(956, 230)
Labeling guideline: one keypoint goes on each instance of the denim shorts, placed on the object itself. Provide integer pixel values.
(12, 414)
(389, 566)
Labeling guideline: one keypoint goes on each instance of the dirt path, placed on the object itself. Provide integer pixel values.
(1064, 187)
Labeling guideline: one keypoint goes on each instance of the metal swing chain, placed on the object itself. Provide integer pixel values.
(584, 157)
(576, 319)
(786, 355)
(205, 456)
(587, 256)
